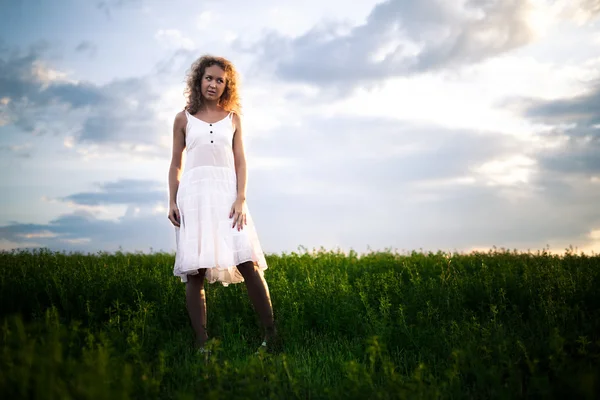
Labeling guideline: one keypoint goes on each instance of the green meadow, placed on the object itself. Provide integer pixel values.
(382, 325)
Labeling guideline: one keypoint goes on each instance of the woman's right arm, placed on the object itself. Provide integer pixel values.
(175, 168)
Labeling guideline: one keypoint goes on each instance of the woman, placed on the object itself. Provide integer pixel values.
(216, 238)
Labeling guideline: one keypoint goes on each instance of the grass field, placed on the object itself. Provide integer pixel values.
(375, 326)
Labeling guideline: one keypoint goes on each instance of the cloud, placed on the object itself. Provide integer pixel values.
(580, 11)
(179, 60)
(204, 19)
(582, 110)
(24, 78)
(591, 6)
(119, 115)
(174, 39)
(384, 183)
(83, 232)
(450, 214)
(142, 226)
(411, 187)
(87, 47)
(344, 180)
(127, 117)
(125, 191)
(28, 88)
(109, 5)
(374, 153)
(576, 120)
(21, 151)
(401, 38)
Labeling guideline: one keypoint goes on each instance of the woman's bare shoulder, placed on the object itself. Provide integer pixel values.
(180, 119)
(237, 119)
(180, 116)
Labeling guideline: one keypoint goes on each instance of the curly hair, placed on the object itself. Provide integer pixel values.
(229, 101)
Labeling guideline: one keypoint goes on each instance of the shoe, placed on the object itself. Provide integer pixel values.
(263, 348)
(203, 354)
(202, 350)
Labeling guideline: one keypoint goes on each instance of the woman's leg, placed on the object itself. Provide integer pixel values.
(258, 291)
(196, 305)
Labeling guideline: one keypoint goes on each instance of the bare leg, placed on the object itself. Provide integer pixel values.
(196, 305)
(258, 291)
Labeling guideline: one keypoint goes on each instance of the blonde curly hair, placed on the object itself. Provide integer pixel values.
(230, 99)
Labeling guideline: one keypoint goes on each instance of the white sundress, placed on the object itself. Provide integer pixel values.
(207, 190)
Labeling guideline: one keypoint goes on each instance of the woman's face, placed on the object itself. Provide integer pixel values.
(213, 83)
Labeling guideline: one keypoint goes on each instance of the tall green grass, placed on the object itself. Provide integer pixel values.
(380, 326)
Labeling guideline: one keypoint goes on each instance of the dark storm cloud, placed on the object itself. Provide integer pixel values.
(126, 191)
(447, 34)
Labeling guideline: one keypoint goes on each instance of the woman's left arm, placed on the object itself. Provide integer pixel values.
(237, 209)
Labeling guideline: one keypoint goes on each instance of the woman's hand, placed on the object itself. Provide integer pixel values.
(174, 215)
(238, 213)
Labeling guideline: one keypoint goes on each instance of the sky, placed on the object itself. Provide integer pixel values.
(425, 125)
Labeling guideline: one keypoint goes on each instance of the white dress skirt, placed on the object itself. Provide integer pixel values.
(207, 190)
